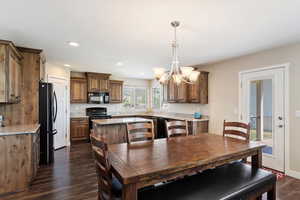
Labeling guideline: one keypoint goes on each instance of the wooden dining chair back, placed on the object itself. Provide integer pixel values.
(177, 128)
(237, 129)
(104, 175)
(140, 131)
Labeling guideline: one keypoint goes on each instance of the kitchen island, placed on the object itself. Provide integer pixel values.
(19, 160)
(195, 126)
(113, 131)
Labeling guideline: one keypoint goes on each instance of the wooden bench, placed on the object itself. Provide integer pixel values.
(236, 181)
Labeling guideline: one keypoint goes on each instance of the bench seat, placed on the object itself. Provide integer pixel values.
(232, 181)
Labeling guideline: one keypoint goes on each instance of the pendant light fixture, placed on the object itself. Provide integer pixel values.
(177, 73)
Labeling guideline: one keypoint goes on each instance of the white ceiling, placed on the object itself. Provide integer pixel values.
(137, 32)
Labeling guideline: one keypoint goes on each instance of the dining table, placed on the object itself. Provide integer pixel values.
(141, 164)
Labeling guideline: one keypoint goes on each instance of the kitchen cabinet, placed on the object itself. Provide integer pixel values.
(189, 93)
(172, 91)
(78, 91)
(182, 92)
(19, 157)
(116, 91)
(98, 82)
(79, 129)
(35, 153)
(198, 92)
(10, 73)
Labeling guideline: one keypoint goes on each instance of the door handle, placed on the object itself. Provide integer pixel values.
(280, 126)
(280, 118)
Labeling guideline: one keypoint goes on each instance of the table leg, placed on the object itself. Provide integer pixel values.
(129, 192)
(256, 160)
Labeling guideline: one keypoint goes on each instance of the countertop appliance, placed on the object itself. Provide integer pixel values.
(96, 113)
(47, 116)
(98, 97)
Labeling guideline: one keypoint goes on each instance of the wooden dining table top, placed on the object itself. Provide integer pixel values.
(144, 160)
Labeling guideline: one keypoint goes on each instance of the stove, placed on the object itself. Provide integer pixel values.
(96, 113)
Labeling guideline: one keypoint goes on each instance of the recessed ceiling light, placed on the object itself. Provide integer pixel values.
(73, 44)
(119, 64)
(67, 65)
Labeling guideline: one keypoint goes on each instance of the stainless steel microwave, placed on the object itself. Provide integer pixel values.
(98, 97)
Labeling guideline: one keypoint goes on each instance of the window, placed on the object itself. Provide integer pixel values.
(156, 98)
(140, 98)
(128, 97)
(135, 97)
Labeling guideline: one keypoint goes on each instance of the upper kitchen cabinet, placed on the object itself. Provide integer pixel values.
(10, 73)
(116, 91)
(78, 89)
(182, 92)
(198, 92)
(98, 82)
(188, 93)
(172, 91)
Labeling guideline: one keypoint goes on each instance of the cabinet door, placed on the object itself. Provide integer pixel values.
(194, 92)
(93, 84)
(14, 78)
(11, 81)
(116, 91)
(18, 81)
(103, 85)
(79, 129)
(172, 91)
(165, 92)
(198, 92)
(3, 73)
(78, 91)
(182, 91)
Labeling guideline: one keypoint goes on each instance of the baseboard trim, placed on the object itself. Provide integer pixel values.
(292, 173)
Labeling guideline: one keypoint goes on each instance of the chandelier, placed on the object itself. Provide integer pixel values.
(178, 74)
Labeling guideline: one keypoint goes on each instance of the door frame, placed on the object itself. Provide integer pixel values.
(67, 103)
(286, 68)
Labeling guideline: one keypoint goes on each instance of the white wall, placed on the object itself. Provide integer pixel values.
(64, 73)
(223, 92)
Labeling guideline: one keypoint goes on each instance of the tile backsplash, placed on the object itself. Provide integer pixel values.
(79, 109)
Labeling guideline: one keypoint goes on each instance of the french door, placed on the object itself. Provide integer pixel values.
(262, 104)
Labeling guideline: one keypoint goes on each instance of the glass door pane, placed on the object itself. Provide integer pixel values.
(261, 113)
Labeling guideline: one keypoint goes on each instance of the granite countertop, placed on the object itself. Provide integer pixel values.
(120, 120)
(78, 116)
(178, 116)
(19, 129)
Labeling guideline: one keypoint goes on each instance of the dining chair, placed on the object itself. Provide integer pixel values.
(140, 131)
(237, 129)
(177, 128)
(108, 186)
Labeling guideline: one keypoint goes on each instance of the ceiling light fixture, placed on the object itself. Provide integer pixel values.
(73, 44)
(178, 74)
(119, 64)
(67, 65)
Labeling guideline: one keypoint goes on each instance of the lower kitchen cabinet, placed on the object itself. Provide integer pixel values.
(79, 129)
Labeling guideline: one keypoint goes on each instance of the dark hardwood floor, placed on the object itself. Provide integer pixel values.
(73, 177)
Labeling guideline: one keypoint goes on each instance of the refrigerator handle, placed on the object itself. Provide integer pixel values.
(55, 101)
(54, 132)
